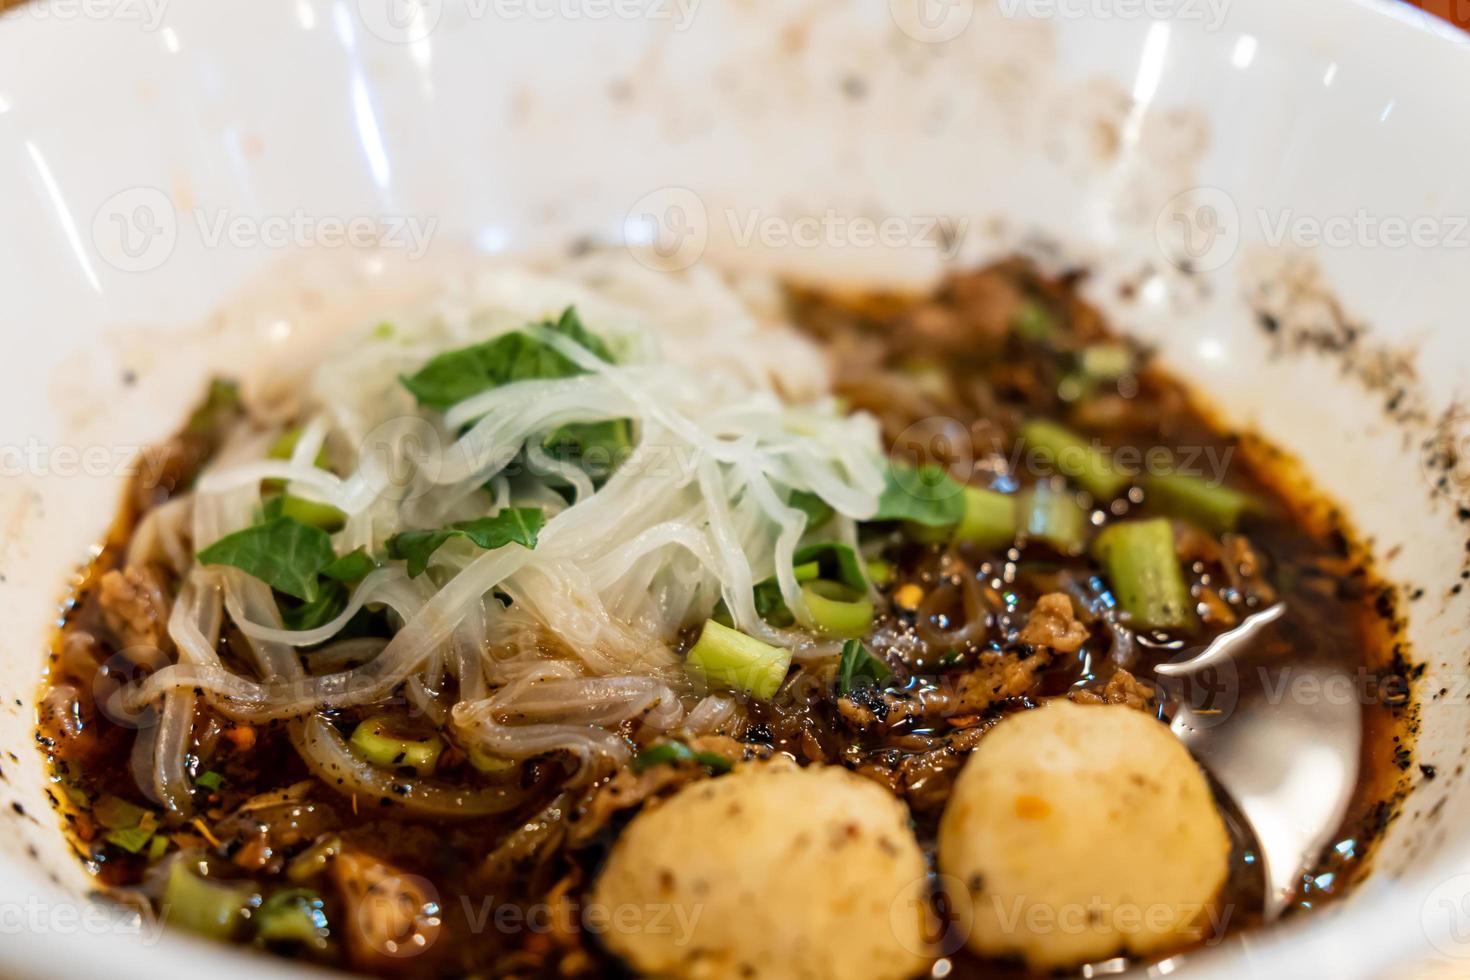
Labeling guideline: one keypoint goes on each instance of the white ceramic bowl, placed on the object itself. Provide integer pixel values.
(161, 159)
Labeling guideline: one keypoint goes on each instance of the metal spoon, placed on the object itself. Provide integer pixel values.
(1286, 750)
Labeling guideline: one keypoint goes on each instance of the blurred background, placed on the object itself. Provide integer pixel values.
(1455, 11)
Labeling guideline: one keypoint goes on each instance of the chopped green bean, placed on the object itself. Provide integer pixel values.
(990, 518)
(1034, 322)
(1215, 507)
(725, 657)
(1052, 514)
(1075, 458)
(294, 916)
(209, 908)
(1143, 571)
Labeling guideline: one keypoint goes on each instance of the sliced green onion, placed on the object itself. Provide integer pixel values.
(314, 860)
(1052, 514)
(926, 534)
(836, 609)
(292, 916)
(727, 658)
(807, 571)
(378, 743)
(285, 446)
(880, 572)
(115, 813)
(128, 827)
(1143, 570)
(209, 908)
(835, 561)
(990, 518)
(857, 664)
(311, 513)
(158, 847)
(282, 448)
(1033, 322)
(130, 839)
(1106, 362)
(222, 401)
(486, 762)
(1217, 508)
(1075, 458)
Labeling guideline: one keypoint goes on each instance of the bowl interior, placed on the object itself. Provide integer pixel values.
(195, 212)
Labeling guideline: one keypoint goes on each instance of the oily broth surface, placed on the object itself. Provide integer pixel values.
(950, 361)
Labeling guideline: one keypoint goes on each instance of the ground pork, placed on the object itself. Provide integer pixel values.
(135, 606)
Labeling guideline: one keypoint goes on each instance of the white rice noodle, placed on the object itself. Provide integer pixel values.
(697, 513)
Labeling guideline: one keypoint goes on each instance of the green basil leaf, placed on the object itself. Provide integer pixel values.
(925, 495)
(285, 554)
(210, 780)
(453, 376)
(859, 664)
(596, 447)
(671, 752)
(327, 606)
(770, 606)
(351, 567)
(514, 525)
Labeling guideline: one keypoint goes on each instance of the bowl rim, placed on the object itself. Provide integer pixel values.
(1336, 935)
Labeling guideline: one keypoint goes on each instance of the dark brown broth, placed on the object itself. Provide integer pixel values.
(952, 356)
